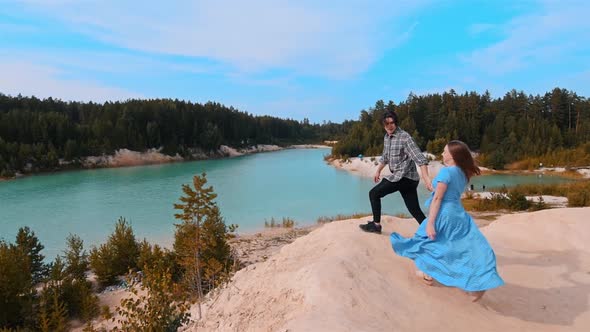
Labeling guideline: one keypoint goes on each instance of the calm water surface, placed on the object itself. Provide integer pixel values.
(251, 189)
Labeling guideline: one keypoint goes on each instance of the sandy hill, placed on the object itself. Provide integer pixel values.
(338, 278)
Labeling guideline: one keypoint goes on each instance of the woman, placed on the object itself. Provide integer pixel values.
(449, 247)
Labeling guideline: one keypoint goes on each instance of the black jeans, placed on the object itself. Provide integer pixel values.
(406, 187)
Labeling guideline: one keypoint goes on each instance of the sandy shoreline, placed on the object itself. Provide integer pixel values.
(130, 158)
(367, 166)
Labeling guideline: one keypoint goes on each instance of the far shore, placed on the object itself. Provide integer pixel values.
(366, 167)
(130, 158)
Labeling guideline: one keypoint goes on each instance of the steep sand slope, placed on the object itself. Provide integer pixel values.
(338, 278)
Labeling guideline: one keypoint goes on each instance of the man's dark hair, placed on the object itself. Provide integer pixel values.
(392, 115)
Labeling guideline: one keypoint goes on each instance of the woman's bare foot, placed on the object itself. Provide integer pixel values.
(425, 278)
(476, 296)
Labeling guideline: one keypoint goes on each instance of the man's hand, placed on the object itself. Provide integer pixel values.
(377, 176)
(427, 183)
(426, 178)
(430, 231)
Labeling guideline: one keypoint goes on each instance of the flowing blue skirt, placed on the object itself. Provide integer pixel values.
(459, 256)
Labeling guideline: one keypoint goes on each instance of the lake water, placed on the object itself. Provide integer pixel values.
(294, 183)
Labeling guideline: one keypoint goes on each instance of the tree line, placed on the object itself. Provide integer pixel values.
(36, 134)
(514, 127)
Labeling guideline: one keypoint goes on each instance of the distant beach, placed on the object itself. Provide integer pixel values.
(130, 158)
(367, 166)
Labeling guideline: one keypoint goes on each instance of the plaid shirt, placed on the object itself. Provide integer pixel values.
(402, 154)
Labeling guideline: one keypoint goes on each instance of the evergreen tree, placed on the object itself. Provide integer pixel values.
(117, 256)
(52, 311)
(16, 287)
(76, 291)
(28, 243)
(200, 240)
(76, 258)
(153, 307)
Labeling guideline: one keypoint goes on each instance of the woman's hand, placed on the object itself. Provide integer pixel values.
(430, 231)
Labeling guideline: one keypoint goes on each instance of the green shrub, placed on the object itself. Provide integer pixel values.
(76, 258)
(518, 201)
(16, 288)
(437, 146)
(539, 205)
(117, 256)
(101, 259)
(52, 310)
(152, 256)
(578, 199)
(156, 309)
(80, 301)
(285, 223)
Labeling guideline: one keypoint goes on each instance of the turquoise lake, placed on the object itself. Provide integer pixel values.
(294, 183)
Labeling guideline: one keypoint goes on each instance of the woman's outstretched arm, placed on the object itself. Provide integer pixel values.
(441, 188)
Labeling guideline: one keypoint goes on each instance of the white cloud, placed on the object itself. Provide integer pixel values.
(108, 61)
(42, 81)
(316, 109)
(403, 36)
(336, 39)
(550, 35)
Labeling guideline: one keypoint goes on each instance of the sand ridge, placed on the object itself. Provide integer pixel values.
(340, 279)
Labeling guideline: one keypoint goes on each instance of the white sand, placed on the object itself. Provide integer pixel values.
(553, 201)
(233, 152)
(585, 172)
(367, 166)
(125, 157)
(310, 146)
(338, 278)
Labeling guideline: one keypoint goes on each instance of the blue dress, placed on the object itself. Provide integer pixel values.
(459, 256)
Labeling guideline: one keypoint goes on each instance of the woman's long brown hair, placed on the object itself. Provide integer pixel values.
(463, 159)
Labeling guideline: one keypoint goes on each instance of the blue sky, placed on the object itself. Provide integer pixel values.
(321, 60)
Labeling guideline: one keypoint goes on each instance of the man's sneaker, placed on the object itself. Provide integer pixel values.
(371, 227)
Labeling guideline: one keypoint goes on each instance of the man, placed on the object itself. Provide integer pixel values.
(402, 154)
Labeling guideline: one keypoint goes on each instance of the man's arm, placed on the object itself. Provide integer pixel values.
(378, 172)
(426, 177)
(385, 154)
(383, 161)
(418, 157)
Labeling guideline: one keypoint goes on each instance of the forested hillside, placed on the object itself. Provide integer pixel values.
(515, 127)
(35, 134)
